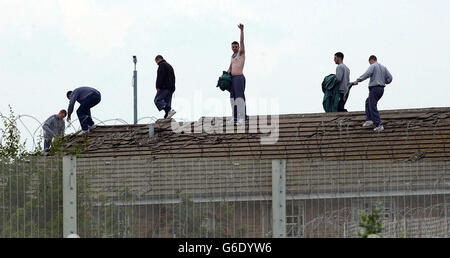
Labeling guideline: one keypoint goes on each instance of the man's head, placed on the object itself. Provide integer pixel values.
(338, 58)
(158, 59)
(69, 93)
(62, 114)
(372, 59)
(235, 46)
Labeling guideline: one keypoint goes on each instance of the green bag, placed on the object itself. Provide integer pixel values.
(224, 82)
(331, 94)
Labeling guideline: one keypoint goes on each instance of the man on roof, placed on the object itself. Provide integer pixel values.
(88, 98)
(342, 79)
(237, 93)
(379, 77)
(165, 87)
(53, 127)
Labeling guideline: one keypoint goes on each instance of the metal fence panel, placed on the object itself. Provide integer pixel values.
(31, 198)
(216, 198)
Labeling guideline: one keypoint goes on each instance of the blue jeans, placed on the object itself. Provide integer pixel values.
(163, 100)
(237, 95)
(47, 141)
(341, 106)
(84, 111)
(372, 114)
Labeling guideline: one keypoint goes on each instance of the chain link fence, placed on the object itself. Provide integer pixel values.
(216, 198)
(31, 198)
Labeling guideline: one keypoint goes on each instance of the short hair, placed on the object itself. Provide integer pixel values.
(235, 43)
(159, 57)
(69, 93)
(63, 111)
(372, 57)
(339, 55)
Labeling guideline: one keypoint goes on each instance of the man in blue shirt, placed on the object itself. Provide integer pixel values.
(88, 98)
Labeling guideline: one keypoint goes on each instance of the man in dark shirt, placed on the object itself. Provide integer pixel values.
(165, 87)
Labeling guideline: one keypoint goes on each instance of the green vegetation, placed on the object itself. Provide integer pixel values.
(371, 224)
(30, 189)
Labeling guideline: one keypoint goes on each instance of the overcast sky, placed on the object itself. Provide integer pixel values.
(48, 47)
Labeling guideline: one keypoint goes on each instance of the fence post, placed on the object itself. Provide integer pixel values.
(69, 195)
(279, 198)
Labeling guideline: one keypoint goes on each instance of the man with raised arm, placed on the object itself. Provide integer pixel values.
(237, 93)
(379, 77)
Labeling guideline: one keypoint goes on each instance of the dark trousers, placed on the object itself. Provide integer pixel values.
(47, 141)
(342, 103)
(84, 111)
(237, 97)
(372, 114)
(163, 100)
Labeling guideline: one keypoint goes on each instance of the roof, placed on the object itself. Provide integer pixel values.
(410, 134)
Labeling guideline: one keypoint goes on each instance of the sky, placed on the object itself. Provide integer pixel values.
(48, 47)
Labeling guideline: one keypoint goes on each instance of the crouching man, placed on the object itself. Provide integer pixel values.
(88, 98)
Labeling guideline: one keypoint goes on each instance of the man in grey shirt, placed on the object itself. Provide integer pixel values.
(53, 127)
(379, 77)
(342, 79)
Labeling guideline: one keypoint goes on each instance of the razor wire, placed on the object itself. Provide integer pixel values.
(32, 127)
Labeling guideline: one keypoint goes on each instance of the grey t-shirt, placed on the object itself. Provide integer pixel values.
(343, 77)
(54, 126)
(379, 75)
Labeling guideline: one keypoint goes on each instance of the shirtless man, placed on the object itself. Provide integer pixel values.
(236, 69)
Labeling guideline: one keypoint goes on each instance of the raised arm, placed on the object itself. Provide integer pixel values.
(242, 47)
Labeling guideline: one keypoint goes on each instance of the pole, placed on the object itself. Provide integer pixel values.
(279, 198)
(135, 89)
(69, 195)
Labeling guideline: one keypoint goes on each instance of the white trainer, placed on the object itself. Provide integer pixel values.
(379, 129)
(368, 123)
(83, 132)
(90, 128)
(240, 122)
(171, 114)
